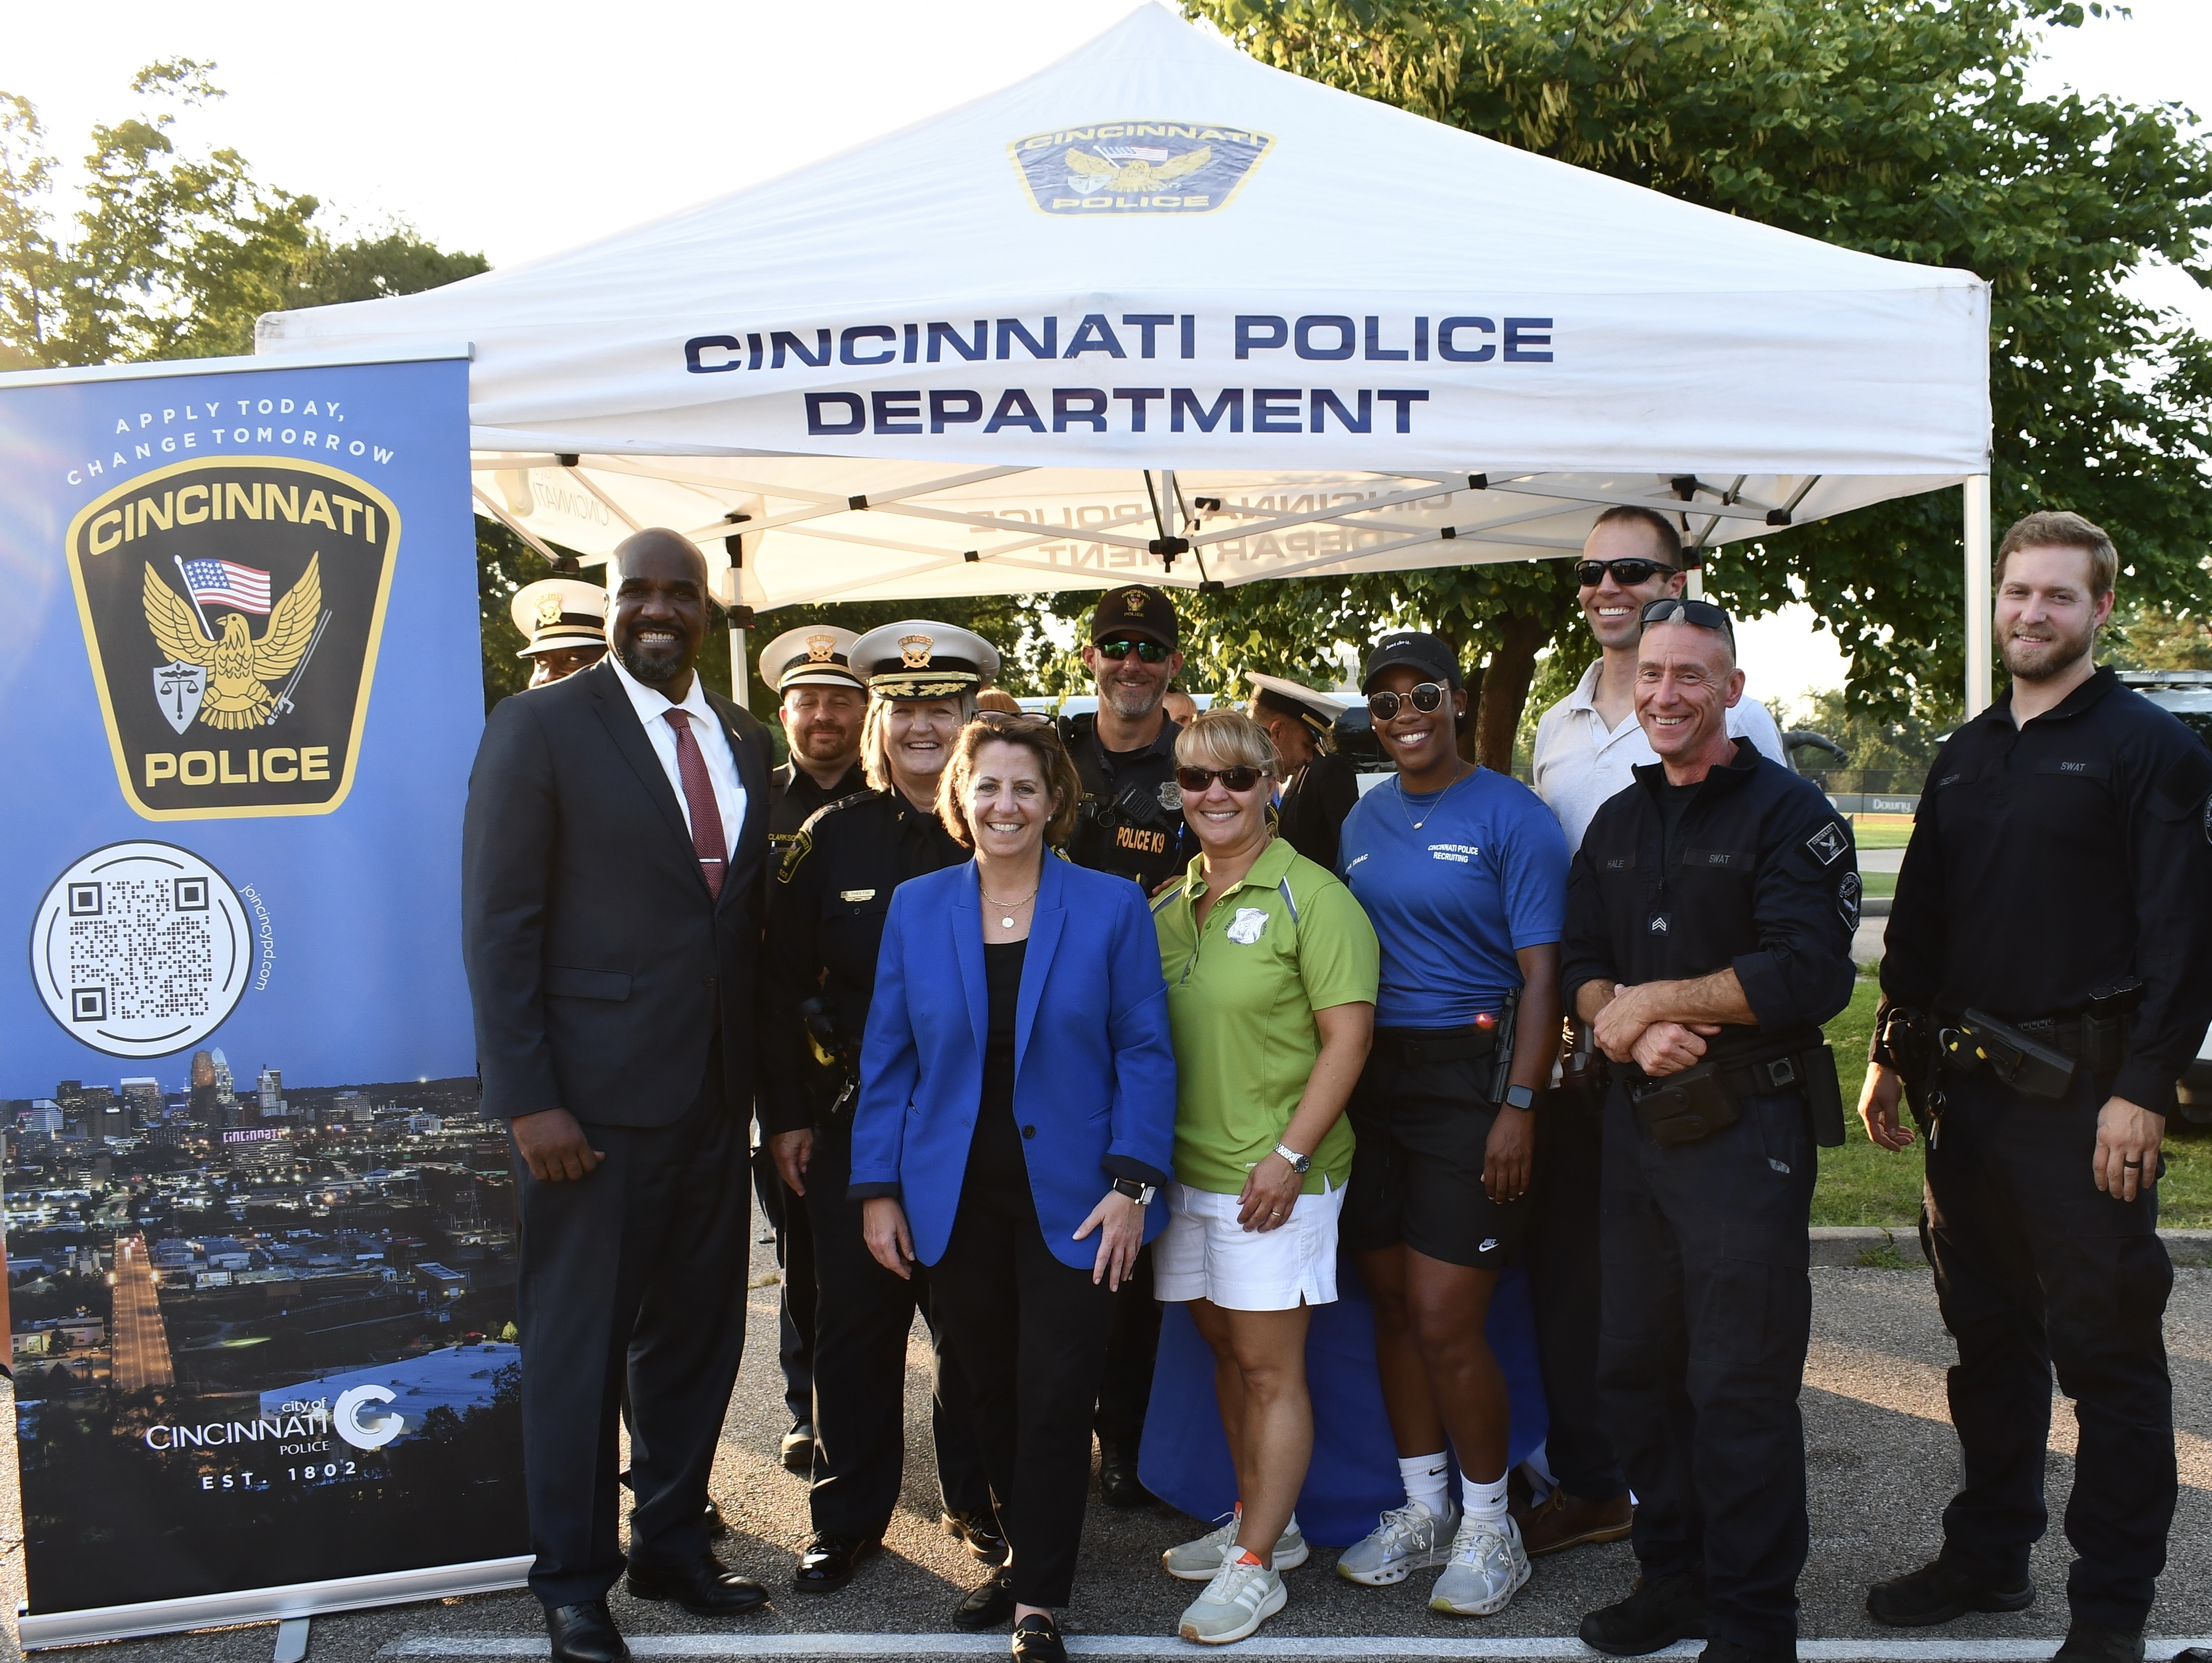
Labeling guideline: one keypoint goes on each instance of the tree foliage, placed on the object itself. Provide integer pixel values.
(1903, 128)
(172, 255)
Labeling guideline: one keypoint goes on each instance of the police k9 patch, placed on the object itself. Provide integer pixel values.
(231, 610)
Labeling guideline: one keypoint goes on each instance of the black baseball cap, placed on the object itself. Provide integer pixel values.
(1425, 653)
(1136, 612)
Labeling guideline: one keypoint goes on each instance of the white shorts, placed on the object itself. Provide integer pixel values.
(1204, 1253)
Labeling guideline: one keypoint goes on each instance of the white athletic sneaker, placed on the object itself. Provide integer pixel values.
(1487, 1566)
(1409, 1539)
(1240, 1596)
(1197, 1561)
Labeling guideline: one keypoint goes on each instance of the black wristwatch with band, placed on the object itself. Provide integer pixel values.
(1520, 1097)
(1142, 1194)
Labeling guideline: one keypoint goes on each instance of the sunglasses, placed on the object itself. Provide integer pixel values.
(1424, 698)
(1702, 613)
(1627, 573)
(1150, 651)
(1195, 780)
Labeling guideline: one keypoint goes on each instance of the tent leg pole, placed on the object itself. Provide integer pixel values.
(1977, 494)
(738, 694)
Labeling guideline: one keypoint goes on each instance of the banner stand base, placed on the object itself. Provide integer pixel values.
(288, 1607)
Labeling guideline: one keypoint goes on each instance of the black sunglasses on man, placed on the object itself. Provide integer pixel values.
(1149, 652)
(1627, 573)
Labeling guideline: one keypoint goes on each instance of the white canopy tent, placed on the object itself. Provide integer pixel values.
(1161, 312)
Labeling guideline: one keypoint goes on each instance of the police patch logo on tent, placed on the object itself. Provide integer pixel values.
(231, 610)
(1137, 167)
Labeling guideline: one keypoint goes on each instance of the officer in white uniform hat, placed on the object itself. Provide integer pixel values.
(1318, 786)
(565, 619)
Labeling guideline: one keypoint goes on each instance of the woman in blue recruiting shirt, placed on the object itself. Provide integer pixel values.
(1016, 1109)
(1464, 873)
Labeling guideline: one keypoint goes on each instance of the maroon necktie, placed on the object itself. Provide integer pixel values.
(699, 797)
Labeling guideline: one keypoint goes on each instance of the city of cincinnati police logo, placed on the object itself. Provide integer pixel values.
(141, 949)
(821, 649)
(1137, 167)
(231, 610)
(549, 611)
(914, 650)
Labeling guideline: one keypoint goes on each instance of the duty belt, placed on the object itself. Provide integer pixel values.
(1695, 1103)
(1415, 1045)
(2038, 1057)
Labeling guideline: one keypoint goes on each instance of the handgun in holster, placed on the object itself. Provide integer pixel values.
(1501, 1055)
(2029, 1067)
(1583, 1072)
(825, 1037)
(1906, 1043)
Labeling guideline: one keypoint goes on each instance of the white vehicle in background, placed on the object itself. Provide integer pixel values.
(2188, 694)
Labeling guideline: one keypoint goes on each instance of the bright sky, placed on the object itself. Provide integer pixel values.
(518, 135)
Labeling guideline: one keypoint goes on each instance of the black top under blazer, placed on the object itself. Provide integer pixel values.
(596, 959)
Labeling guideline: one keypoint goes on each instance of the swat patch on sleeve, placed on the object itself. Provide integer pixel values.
(1830, 844)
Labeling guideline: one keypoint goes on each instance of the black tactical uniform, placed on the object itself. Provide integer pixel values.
(1131, 818)
(2059, 881)
(1707, 1307)
(793, 797)
(825, 922)
(1316, 799)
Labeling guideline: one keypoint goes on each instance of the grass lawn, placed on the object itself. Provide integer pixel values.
(1879, 883)
(1881, 830)
(1862, 1185)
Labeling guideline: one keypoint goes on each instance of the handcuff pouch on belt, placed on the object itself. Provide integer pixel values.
(1691, 1105)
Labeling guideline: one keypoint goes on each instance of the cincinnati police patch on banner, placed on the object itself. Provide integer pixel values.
(231, 610)
(1137, 167)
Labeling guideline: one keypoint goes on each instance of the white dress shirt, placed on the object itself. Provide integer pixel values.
(652, 707)
(1579, 762)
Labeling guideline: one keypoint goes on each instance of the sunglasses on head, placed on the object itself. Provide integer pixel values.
(1195, 780)
(1702, 613)
(1424, 698)
(1627, 573)
(1150, 651)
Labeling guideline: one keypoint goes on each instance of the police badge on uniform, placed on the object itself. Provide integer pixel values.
(232, 610)
(1113, 167)
(1847, 899)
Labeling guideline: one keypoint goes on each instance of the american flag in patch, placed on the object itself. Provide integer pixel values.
(227, 583)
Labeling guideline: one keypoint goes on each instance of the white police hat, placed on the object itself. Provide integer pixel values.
(1317, 710)
(558, 613)
(916, 658)
(813, 655)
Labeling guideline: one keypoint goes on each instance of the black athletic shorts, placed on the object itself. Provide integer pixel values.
(1421, 1130)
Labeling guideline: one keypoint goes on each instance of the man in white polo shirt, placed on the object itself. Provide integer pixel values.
(1586, 746)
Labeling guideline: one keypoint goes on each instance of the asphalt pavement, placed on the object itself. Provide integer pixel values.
(1879, 1450)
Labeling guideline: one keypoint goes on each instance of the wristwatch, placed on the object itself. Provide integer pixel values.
(1142, 1194)
(1520, 1097)
(1301, 1164)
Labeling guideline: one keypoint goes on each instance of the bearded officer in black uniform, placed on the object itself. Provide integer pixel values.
(1130, 822)
(2046, 977)
(1709, 915)
(826, 908)
(822, 702)
(1320, 786)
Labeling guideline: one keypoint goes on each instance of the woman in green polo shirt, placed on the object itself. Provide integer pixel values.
(1271, 969)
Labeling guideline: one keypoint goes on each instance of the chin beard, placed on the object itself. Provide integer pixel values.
(655, 669)
(2039, 661)
(1130, 705)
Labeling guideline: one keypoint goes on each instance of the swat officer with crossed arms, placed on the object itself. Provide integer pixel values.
(2047, 976)
(1709, 914)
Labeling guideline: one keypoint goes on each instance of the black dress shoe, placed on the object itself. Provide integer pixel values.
(1939, 1593)
(797, 1452)
(988, 1607)
(978, 1534)
(829, 1561)
(1117, 1481)
(1653, 1616)
(1036, 1639)
(2087, 1643)
(705, 1587)
(584, 1633)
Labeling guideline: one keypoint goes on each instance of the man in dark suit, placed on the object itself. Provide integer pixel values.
(612, 860)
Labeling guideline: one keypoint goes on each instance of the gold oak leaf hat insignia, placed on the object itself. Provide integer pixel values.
(558, 613)
(917, 658)
(1136, 612)
(812, 655)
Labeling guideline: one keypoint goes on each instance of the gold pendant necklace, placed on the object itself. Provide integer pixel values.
(1007, 922)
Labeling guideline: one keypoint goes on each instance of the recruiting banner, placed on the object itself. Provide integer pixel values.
(261, 1246)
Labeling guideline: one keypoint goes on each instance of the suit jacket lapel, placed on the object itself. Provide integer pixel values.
(619, 717)
(967, 947)
(1045, 926)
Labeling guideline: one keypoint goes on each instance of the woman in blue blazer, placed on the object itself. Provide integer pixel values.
(1017, 1110)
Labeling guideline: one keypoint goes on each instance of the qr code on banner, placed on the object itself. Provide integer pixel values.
(147, 957)
(141, 948)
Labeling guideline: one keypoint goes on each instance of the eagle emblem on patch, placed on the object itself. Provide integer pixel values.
(1847, 899)
(1829, 843)
(915, 649)
(549, 611)
(1113, 167)
(821, 649)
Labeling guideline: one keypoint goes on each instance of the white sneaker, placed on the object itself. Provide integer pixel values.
(1487, 1566)
(1409, 1539)
(1197, 1561)
(1240, 1596)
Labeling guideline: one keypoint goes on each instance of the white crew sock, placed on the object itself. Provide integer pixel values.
(1483, 1501)
(1426, 1478)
